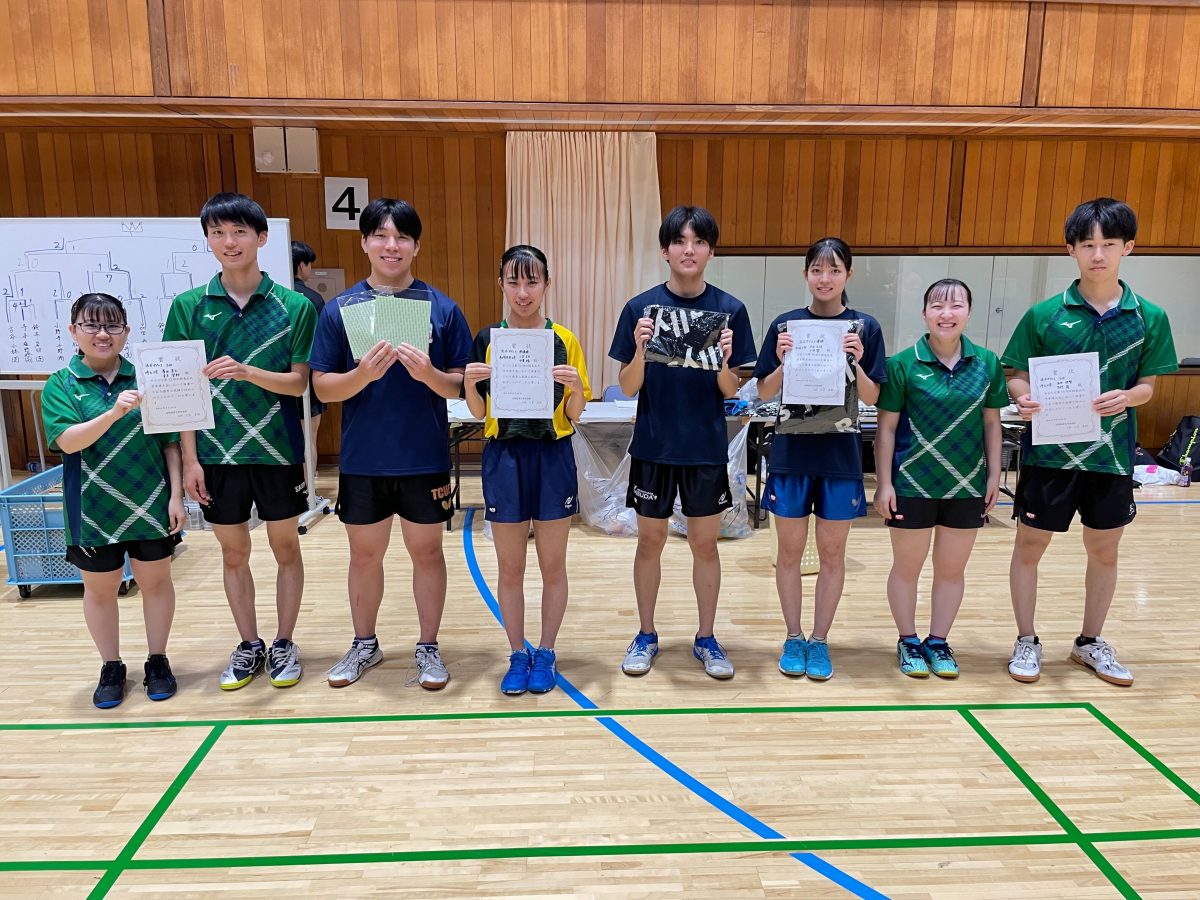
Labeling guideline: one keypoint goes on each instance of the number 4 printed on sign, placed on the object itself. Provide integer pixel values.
(344, 200)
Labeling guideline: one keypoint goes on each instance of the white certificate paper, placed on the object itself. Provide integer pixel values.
(175, 394)
(1065, 386)
(814, 371)
(522, 383)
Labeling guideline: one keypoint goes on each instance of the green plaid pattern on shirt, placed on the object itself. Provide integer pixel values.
(940, 452)
(1133, 340)
(272, 331)
(123, 488)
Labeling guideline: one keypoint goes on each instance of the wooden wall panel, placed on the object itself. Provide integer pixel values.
(1120, 56)
(75, 48)
(909, 52)
(1017, 193)
(782, 193)
(1175, 396)
(774, 192)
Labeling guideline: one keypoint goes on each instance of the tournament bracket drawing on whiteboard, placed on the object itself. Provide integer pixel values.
(46, 264)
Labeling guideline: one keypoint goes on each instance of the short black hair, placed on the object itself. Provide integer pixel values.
(703, 225)
(829, 249)
(524, 261)
(943, 288)
(102, 308)
(379, 210)
(1116, 220)
(237, 209)
(302, 253)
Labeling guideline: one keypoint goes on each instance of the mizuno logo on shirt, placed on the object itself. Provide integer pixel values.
(211, 316)
(926, 375)
(1070, 324)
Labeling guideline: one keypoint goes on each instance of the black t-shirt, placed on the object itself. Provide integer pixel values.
(680, 411)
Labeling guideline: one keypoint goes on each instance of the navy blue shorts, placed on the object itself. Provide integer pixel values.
(798, 496)
(525, 479)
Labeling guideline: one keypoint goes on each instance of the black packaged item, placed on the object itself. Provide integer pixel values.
(1183, 444)
(840, 419)
(686, 338)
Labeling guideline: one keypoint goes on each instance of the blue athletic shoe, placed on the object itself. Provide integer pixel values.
(543, 675)
(640, 655)
(795, 656)
(516, 681)
(819, 667)
(940, 658)
(911, 655)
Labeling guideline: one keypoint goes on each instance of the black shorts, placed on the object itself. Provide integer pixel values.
(1049, 498)
(366, 499)
(703, 490)
(112, 557)
(920, 512)
(277, 492)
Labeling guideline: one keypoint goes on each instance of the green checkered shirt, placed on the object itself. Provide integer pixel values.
(117, 489)
(1133, 340)
(272, 331)
(939, 442)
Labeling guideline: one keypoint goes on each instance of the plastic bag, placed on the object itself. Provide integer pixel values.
(735, 521)
(687, 338)
(1156, 475)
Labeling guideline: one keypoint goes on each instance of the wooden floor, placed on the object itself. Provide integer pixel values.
(671, 785)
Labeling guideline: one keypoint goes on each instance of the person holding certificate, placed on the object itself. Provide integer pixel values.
(1130, 343)
(817, 473)
(680, 445)
(257, 335)
(123, 492)
(528, 464)
(395, 456)
(937, 461)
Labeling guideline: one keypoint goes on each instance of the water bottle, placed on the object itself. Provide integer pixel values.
(1185, 471)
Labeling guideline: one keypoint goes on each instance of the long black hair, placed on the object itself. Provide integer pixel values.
(524, 261)
(827, 250)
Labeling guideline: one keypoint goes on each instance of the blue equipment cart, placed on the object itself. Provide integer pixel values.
(32, 518)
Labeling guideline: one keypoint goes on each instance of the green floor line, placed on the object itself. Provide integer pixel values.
(118, 865)
(1024, 777)
(1110, 872)
(1163, 769)
(668, 849)
(1085, 844)
(530, 714)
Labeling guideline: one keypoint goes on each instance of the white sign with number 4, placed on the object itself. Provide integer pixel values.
(344, 201)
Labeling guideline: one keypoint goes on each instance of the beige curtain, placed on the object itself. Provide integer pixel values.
(589, 200)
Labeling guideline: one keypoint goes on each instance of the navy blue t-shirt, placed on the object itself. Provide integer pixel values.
(680, 411)
(394, 426)
(823, 455)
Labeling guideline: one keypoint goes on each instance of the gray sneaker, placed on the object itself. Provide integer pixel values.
(639, 657)
(283, 662)
(1026, 662)
(431, 671)
(712, 654)
(357, 660)
(1101, 658)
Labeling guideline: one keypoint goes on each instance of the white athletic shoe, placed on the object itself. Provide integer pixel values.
(1026, 662)
(1101, 658)
(350, 667)
(431, 671)
(283, 662)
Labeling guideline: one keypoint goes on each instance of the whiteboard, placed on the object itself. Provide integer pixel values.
(45, 264)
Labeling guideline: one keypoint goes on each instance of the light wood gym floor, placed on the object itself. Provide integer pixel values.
(671, 785)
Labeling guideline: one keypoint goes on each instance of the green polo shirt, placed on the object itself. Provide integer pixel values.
(1133, 340)
(117, 489)
(272, 331)
(939, 442)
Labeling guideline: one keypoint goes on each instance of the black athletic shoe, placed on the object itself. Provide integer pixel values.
(111, 689)
(159, 682)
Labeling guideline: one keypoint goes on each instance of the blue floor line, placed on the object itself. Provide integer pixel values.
(716, 800)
